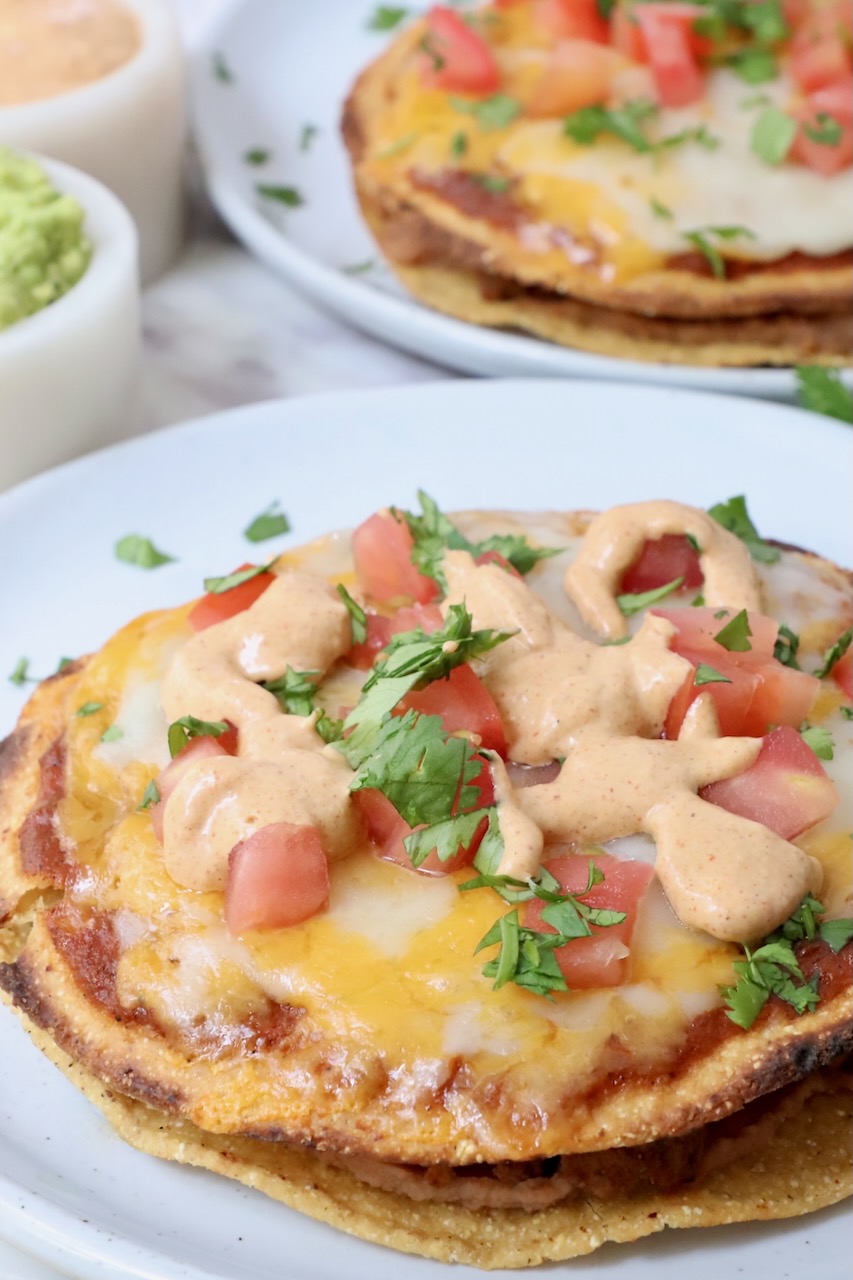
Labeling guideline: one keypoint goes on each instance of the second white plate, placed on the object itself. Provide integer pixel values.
(272, 78)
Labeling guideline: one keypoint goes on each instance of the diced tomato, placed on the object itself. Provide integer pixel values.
(277, 877)
(787, 789)
(571, 19)
(661, 561)
(201, 748)
(697, 627)
(834, 102)
(464, 704)
(387, 829)
(842, 673)
(625, 33)
(457, 58)
(818, 62)
(578, 74)
(599, 960)
(417, 617)
(667, 32)
(382, 551)
(214, 608)
(758, 690)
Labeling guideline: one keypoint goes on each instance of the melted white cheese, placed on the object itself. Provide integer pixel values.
(786, 208)
(143, 729)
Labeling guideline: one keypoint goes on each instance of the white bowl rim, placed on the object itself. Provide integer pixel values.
(115, 252)
(158, 27)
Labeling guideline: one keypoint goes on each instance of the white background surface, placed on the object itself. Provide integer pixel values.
(72, 1193)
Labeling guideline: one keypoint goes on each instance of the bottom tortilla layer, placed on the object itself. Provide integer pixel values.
(805, 1167)
(778, 338)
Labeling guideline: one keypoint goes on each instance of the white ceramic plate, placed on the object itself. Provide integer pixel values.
(71, 1193)
(291, 64)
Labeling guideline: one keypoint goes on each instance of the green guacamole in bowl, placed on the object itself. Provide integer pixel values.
(43, 249)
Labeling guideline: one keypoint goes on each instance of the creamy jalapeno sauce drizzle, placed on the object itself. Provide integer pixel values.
(599, 708)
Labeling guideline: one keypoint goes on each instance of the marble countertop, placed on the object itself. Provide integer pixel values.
(220, 330)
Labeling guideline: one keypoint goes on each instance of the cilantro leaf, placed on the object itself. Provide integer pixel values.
(772, 135)
(708, 675)
(329, 730)
(826, 131)
(820, 740)
(89, 708)
(290, 197)
(19, 674)
(632, 603)
(181, 731)
(735, 634)
(786, 646)
(151, 795)
(459, 143)
(660, 210)
(307, 134)
(358, 618)
(422, 771)
(217, 586)
(755, 65)
(221, 71)
(822, 391)
(359, 268)
(139, 551)
(835, 653)
(491, 182)
(836, 933)
(446, 836)
(295, 691)
(587, 124)
(386, 18)
(701, 239)
(112, 734)
(495, 112)
(257, 156)
(397, 148)
(434, 534)
(269, 524)
(733, 515)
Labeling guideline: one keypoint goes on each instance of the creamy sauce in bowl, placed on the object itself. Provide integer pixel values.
(51, 47)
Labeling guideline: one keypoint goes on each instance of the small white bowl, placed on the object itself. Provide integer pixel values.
(69, 373)
(127, 129)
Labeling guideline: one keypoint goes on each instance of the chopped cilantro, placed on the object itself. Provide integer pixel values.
(295, 691)
(434, 534)
(835, 653)
(605, 8)
(526, 956)
(386, 18)
(765, 19)
(820, 740)
(307, 134)
(633, 602)
(847, 712)
(822, 391)
(181, 731)
(288, 196)
(216, 586)
(257, 156)
(494, 183)
(89, 708)
(826, 131)
(151, 795)
(786, 646)
(63, 664)
(329, 730)
(359, 268)
(139, 551)
(358, 618)
(708, 675)
(772, 135)
(733, 515)
(398, 147)
(773, 968)
(112, 734)
(587, 124)
(735, 634)
(459, 143)
(755, 65)
(701, 239)
(269, 524)
(447, 836)
(221, 71)
(660, 210)
(20, 674)
(495, 112)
